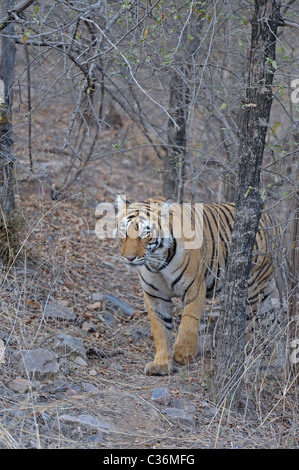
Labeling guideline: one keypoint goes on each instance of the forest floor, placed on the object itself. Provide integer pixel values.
(95, 394)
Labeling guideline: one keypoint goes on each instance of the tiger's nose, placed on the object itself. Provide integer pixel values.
(130, 258)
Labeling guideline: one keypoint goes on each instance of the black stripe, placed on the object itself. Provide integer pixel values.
(207, 222)
(265, 296)
(188, 287)
(170, 254)
(225, 242)
(250, 299)
(215, 260)
(180, 266)
(191, 316)
(157, 297)
(258, 273)
(162, 317)
(148, 283)
(230, 212)
(195, 297)
(149, 269)
(181, 273)
(215, 221)
(221, 208)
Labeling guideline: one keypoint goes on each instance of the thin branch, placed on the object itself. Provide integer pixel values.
(12, 14)
(132, 74)
(283, 21)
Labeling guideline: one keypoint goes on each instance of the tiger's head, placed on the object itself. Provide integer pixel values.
(142, 231)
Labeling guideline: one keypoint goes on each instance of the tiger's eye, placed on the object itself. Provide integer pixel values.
(144, 232)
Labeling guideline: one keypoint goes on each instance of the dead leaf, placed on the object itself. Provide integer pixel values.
(33, 304)
(96, 306)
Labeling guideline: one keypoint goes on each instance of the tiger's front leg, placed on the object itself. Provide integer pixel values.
(185, 347)
(160, 313)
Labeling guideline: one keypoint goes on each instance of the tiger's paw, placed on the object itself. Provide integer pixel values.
(155, 368)
(184, 353)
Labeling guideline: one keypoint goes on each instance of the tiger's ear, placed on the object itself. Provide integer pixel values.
(166, 206)
(121, 203)
(168, 202)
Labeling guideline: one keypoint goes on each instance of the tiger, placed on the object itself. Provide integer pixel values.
(169, 267)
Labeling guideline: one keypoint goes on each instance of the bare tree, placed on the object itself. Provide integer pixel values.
(292, 283)
(7, 65)
(7, 198)
(254, 120)
(8, 14)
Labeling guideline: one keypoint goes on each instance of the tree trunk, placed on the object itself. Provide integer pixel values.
(174, 161)
(253, 125)
(293, 270)
(7, 64)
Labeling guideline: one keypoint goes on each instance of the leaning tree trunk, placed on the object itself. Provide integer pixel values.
(253, 125)
(7, 64)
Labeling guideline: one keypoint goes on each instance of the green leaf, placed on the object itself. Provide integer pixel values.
(248, 191)
(275, 127)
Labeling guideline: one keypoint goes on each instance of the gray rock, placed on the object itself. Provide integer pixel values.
(95, 438)
(20, 385)
(69, 345)
(39, 361)
(97, 297)
(137, 332)
(57, 386)
(87, 421)
(179, 416)
(79, 361)
(118, 306)
(161, 396)
(178, 403)
(108, 318)
(183, 404)
(57, 311)
(92, 389)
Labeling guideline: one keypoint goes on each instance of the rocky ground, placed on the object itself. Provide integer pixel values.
(75, 336)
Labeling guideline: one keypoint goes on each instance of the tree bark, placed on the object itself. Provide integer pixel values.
(253, 125)
(7, 65)
(293, 290)
(174, 161)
